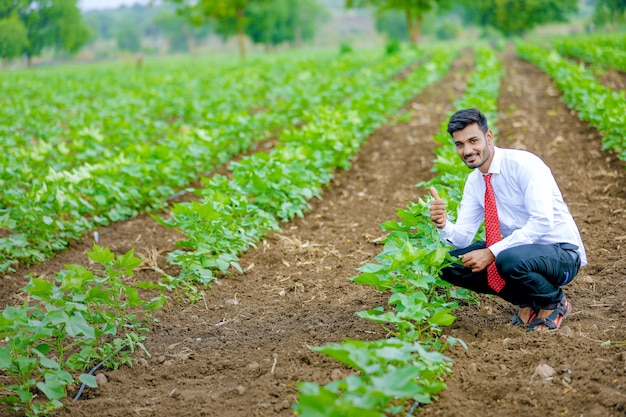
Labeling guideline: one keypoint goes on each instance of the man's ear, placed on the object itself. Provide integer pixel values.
(489, 135)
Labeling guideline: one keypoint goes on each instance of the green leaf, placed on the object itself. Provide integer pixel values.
(454, 340)
(89, 380)
(128, 262)
(380, 281)
(101, 255)
(146, 285)
(43, 348)
(25, 364)
(77, 325)
(24, 393)
(133, 297)
(5, 357)
(156, 303)
(48, 363)
(99, 294)
(74, 277)
(10, 399)
(400, 383)
(52, 388)
(379, 316)
(12, 314)
(109, 328)
(318, 401)
(442, 318)
(40, 288)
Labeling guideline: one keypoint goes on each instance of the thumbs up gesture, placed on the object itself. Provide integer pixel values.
(438, 209)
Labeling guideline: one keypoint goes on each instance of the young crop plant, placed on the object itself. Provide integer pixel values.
(82, 317)
(390, 370)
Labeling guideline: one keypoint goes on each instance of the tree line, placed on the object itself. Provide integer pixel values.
(28, 27)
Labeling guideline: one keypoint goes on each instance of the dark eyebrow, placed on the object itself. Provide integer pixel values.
(470, 138)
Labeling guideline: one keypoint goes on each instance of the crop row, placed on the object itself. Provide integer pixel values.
(602, 107)
(397, 374)
(46, 213)
(606, 40)
(591, 50)
(90, 115)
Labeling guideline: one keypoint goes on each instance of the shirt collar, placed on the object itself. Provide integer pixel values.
(496, 162)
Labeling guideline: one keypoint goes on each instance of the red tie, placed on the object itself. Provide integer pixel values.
(492, 234)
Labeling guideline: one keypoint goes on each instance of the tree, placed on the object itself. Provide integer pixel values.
(268, 23)
(414, 11)
(392, 23)
(69, 32)
(55, 24)
(305, 16)
(13, 37)
(180, 33)
(128, 39)
(517, 17)
(277, 21)
(229, 15)
(609, 11)
(173, 27)
(102, 23)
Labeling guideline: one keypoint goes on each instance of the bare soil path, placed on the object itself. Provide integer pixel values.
(242, 352)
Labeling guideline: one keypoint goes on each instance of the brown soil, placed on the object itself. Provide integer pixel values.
(242, 352)
(610, 77)
(613, 78)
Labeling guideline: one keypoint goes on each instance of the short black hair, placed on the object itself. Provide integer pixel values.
(463, 118)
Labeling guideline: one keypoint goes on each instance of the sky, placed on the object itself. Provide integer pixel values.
(107, 4)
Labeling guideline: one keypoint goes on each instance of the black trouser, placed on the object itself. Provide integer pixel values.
(534, 274)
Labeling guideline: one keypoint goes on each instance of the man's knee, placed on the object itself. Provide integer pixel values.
(508, 261)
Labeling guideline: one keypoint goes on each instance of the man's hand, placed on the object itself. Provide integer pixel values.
(438, 212)
(478, 259)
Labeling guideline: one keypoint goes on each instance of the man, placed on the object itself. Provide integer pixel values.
(537, 248)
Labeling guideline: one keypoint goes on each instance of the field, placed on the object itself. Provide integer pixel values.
(243, 346)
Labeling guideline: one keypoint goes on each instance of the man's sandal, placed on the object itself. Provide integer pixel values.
(553, 321)
(516, 320)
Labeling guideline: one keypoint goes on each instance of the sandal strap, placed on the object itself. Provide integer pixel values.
(542, 321)
(553, 320)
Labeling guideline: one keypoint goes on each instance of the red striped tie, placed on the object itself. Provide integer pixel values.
(492, 234)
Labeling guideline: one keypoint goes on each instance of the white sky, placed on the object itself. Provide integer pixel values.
(107, 4)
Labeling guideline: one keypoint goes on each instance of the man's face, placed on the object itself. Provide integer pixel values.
(474, 147)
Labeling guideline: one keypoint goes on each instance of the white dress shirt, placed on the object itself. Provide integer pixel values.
(531, 209)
